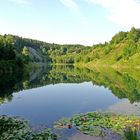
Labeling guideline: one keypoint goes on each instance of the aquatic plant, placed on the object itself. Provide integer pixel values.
(99, 124)
(12, 128)
(131, 134)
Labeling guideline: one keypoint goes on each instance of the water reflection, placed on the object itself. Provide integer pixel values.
(49, 103)
(123, 83)
(125, 107)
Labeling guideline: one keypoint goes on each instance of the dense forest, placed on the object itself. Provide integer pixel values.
(38, 51)
(123, 49)
(10, 60)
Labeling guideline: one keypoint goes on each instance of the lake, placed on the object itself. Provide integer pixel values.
(47, 94)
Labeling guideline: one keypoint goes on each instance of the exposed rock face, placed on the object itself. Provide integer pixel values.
(35, 55)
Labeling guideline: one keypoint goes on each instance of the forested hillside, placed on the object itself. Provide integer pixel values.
(123, 49)
(40, 51)
(10, 60)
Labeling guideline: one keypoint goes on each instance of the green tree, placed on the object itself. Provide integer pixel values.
(25, 51)
(26, 55)
(134, 34)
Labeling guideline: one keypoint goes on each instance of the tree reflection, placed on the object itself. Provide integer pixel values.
(122, 83)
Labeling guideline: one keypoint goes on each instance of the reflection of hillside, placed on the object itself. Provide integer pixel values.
(9, 83)
(67, 74)
(123, 84)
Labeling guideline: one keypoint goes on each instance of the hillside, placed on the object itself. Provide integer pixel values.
(122, 50)
(40, 51)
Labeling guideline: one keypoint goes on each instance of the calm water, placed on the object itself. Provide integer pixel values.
(50, 103)
(47, 95)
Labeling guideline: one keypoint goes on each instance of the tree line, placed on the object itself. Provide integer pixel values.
(121, 49)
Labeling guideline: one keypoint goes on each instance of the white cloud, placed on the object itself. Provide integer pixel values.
(22, 2)
(74, 6)
(70, 3)
(121, 12)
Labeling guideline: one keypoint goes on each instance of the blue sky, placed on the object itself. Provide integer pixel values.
(68, 21)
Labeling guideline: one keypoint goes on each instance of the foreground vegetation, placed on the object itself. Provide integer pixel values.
(16, 129)
(93, 123)
(100, 124)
